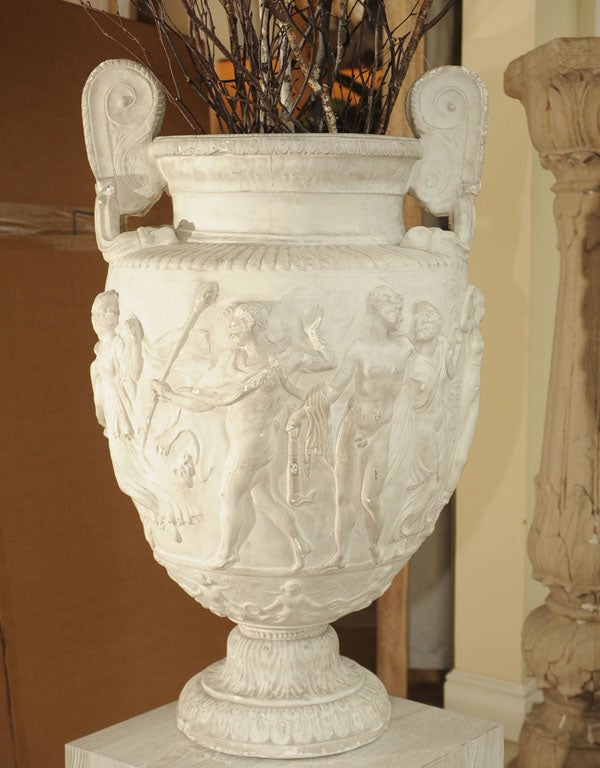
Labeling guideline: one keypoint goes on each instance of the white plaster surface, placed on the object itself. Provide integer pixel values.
(288, 382)
(418, 737)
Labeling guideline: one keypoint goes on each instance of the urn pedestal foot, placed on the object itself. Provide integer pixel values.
(283, 693)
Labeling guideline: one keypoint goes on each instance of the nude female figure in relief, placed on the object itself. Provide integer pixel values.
(373, 372)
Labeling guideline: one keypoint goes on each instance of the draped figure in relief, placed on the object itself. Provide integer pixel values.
(117, 368)
(433, 402)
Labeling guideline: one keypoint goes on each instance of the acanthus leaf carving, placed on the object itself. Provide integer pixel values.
(561, 654)
(564, 539)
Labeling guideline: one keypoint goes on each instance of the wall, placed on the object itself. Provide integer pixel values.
(123, 7)
(515, 264)
(47, 51)
(178, 15)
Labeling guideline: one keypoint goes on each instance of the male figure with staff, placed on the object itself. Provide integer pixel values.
(255, 392)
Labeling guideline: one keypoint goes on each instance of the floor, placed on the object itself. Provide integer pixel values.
(510, 751)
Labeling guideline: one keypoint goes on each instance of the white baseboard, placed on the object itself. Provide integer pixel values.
(491, 699)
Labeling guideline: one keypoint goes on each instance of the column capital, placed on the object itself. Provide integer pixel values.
(559, 86)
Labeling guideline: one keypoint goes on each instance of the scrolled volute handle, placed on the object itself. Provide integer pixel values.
(447, 110)
(123, 107)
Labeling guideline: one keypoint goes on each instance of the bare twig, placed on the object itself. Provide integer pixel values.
(303, 65)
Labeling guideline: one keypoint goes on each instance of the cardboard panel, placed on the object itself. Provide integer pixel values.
(7, 746)
(47, 50)
(94, 630)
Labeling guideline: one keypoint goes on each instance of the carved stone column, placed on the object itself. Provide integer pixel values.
(559, 86)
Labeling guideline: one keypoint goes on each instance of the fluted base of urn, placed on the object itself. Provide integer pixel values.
(283, 693)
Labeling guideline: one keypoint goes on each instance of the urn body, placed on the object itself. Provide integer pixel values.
(288, 381)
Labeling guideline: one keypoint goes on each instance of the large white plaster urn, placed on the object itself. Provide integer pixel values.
(288, 382)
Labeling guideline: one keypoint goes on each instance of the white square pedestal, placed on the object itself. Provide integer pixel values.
(418, 737)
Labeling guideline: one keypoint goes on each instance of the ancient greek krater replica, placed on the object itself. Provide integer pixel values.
(288, 381)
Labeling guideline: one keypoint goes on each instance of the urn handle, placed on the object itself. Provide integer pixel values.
(447, 110)
(123, 107)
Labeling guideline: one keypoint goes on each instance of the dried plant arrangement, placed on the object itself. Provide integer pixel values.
(319, 66)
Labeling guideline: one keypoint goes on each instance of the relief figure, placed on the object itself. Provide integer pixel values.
(179, 447)
(471, 315)
(117, 368)
(428, 376)
(373, 373)
(291, 600)
(115, 374)
(255, 386)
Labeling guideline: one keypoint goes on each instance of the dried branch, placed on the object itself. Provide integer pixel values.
(302, 65)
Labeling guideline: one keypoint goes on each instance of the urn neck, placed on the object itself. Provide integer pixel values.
(279, 188)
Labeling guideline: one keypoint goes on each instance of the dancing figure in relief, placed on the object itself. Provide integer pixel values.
(373, 369)
(117, 367)
(255, 386)
(428, 374)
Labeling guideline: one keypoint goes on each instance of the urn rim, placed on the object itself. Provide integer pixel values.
(256, 144)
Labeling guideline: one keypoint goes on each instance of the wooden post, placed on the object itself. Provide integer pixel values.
(392, 636)
(392, 606)
(559, 86)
